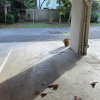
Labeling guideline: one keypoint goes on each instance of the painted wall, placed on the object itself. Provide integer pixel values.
(75, 24)
(52, 5)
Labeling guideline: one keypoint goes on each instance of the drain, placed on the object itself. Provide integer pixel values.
(54, 32)
(62, 53)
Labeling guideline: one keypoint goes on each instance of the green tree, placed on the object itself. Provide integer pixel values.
(4, 3)
(61, 12)
(94, 14)
(41, 4)
(67, 3)
(59, 2)
(29, 3)
(95, 5)
(65, 12)
(48, 2)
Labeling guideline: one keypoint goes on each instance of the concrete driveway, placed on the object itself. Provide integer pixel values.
(27, 60)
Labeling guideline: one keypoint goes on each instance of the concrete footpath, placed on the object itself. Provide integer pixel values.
(29, 64)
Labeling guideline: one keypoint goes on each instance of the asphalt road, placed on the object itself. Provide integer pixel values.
(32, 34)
(40, 34)
(94, 32)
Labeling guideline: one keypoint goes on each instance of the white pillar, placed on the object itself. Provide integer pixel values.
(75, 23)
(80, 25)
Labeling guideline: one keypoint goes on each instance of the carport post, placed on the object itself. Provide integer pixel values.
(81, 12)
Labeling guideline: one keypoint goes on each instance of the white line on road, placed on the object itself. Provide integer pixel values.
(5, 60)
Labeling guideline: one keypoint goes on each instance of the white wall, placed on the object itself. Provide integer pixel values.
(52, 5)
(75, 24)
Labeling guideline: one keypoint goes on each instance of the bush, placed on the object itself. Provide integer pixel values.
(65, 17)
(95, 5)
(16, 14)
(94, 17)
(17, 17)
(64, 11)
(10, 19)
(2, 18)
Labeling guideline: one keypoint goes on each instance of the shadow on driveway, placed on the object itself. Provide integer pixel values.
(24, 85)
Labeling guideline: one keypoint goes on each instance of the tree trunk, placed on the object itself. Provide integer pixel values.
(22, 9)
(59, 2)
(5, 11)
(42, 3)
(70, 16)
(59, 13)
(59, 19)
(39, 4)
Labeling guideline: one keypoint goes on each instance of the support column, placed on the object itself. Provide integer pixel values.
(80, 25)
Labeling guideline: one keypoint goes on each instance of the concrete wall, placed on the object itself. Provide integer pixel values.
(52, 5)
(75, 24)
(42, 14)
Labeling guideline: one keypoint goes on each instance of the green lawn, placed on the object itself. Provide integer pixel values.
(94, 24)
(35, 25)
(38, 25)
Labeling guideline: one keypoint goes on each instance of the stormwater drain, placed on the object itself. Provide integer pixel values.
(54, 32)
(62, 53)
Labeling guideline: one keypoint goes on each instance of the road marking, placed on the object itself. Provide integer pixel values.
(5, 60)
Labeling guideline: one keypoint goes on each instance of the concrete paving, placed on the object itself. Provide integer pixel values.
(31, 56)
(31, 63)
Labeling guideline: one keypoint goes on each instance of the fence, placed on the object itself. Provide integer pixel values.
(41, 14)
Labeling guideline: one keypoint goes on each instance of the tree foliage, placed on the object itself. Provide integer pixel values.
(64, 11)
(61, 10)
(29, 3)
(67, 3)
(95, 5)
(10, 19)
(48, 2)
(26, 3)
(94, 15)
